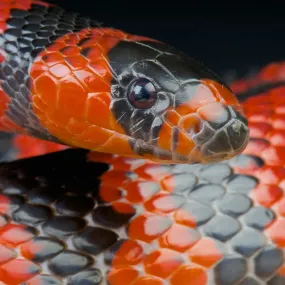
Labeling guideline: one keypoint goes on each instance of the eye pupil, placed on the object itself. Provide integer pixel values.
(142, 94)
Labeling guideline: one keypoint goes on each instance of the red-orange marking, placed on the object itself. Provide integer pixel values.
(130, 253)
(122, 275)
(205, 253)
(179, 238)
(190, 275)
(162, 263)
(24, 270)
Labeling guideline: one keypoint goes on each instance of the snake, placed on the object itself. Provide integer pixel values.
(127, 162)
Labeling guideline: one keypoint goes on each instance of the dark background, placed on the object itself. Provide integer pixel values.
(237, 36)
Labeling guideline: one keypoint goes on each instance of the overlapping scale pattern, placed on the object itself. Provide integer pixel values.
(127, 221)
(68, 220)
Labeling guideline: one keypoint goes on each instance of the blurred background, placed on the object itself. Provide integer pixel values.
(235, 36)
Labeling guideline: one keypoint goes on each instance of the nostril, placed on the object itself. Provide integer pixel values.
(191, 124)
(238, 134)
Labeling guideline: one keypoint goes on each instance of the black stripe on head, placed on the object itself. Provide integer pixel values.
(167, 68)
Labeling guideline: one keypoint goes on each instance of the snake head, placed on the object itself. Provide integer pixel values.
(172, 107)
(108, 91)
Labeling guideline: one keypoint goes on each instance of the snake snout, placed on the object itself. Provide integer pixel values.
(226, 129)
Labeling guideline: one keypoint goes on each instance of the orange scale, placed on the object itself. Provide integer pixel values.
(276, 232)
(115, 178)
(93, 137)
(71, 42)
(54, 48)
(75, 127)
(101, 68)
(259, 130)
(13, 235)
(152, 171)
(126, 163)
(57, 118)
(4, 13)
(3, 27)
(129, 253)
(108, 42)
(277, 138)
(60, 70)
(164, 203)
(69, 50)
(267, 195)
(274, 155)
(148, 228)
(206, 92)
(6, 255)
(122, 275)
(76, 61)
(71, 97)
(281, 206)
(205, 252)
(110, 194)
(259, 118)
(185, 217)
(29, 249)
(39, 104)
(190, 275)
(257, 102)
(179, 238)
(98, 109)
(256, 147)
(165, 136)
(18, 271)
(279, 109)
(37, 69)
(278, 122)
(91, 80)
(124, 208)
(56, 130)
(117, 144)
(163, 263)
(172, 117)
(90, 42)
(93, 52)
(222, 93)
(270, 174)
(4, 204)
(52, 58)
(264, 108)
(140, 191)
(46, 88)
(29, 146)
(148, 280)
(184, 144)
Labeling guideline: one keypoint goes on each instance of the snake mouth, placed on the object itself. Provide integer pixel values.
(202, 137)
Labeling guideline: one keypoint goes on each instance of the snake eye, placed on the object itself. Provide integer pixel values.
(142, 94)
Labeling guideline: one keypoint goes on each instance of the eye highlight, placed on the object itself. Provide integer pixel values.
(142, 94)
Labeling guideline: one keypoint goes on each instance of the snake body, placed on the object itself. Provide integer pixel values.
(169, 179)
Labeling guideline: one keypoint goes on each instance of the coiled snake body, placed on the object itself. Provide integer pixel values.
(167, 178)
